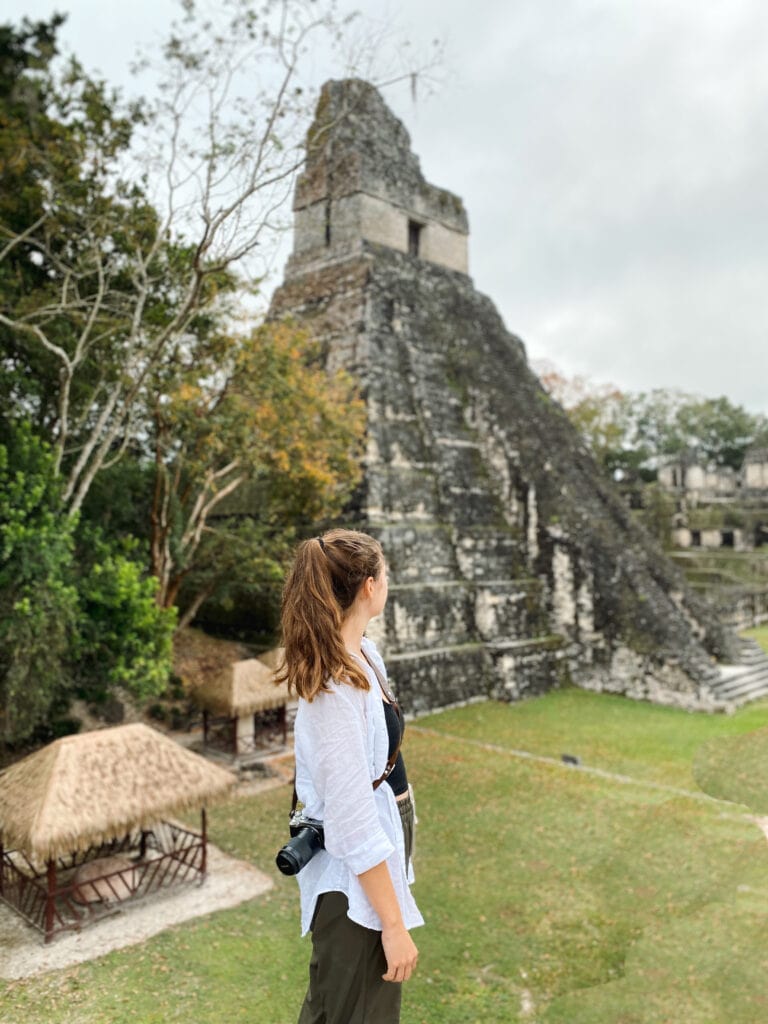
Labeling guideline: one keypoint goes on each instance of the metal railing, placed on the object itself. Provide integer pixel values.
(64, 896)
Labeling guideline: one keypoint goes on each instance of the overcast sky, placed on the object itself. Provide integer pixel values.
(613, 159)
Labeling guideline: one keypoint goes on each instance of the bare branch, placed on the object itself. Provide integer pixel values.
(192, 537)
(89, 446)
(35, 331)
(199, 507)
(127, 438)
(17, 239)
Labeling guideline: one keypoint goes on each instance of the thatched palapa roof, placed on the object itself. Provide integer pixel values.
(273, 659)
(86, 789)
(242, 688)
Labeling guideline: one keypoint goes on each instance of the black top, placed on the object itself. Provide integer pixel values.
(397, 778)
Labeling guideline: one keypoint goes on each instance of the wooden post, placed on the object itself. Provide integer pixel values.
(204, 827)
(50, 899)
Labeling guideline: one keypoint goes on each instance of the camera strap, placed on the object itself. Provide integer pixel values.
(390, 765)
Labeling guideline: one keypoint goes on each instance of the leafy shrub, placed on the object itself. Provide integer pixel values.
(125, 639)
(38, 596)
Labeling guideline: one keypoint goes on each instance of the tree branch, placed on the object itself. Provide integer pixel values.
(22, 236)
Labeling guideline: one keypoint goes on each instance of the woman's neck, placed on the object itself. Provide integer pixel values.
(352, 630)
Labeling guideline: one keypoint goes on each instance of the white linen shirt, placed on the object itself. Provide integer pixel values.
(342, 746)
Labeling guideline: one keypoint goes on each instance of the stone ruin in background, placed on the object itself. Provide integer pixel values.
(514, 565)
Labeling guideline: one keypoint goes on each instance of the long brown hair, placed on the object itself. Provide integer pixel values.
(327, 574)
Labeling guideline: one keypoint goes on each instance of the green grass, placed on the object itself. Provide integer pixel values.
(749, 567)
(543, 886)
(643, 740)
(760, 634)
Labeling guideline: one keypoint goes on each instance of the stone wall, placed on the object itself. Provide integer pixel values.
(341, 226)
(348, 195)
(514, 563)
(756, 476)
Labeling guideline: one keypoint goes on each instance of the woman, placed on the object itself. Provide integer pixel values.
(355, 895)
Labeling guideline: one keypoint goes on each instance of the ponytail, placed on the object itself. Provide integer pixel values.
(323, 583)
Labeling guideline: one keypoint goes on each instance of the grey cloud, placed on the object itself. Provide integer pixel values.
(613, 168)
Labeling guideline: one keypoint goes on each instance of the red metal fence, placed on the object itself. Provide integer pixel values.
(72, 891)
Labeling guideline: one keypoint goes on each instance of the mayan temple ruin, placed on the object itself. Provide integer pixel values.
(513, 563)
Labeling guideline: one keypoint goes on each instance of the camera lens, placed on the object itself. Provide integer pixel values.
(288, 862)
(299, 851)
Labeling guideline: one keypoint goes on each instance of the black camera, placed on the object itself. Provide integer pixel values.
(306, 839)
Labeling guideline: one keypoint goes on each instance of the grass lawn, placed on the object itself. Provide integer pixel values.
(759, 633)
(552, 894)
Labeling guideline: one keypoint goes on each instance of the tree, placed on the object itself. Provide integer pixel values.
(633, 433)
(107, 290)
(72, 237)
(667, 423)
(654, 427)
(120, 252)
(255, 413)
(598, 411)
(720, 430)
(132, 237)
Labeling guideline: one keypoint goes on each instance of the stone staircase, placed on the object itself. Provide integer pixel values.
(747, 681)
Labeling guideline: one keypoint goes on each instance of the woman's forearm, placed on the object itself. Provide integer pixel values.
(377, 886)
(399, 948)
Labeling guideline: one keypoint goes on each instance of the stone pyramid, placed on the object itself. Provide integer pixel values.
(514, 564)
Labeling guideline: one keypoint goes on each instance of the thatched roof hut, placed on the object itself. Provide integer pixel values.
(242, 688)
(83, 790)
(244, 698)
(273, 659)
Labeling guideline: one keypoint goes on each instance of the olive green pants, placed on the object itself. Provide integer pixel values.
(347, 962)
(345, 971)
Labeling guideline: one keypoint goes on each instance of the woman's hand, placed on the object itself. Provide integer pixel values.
(401, 953)
(399, 948)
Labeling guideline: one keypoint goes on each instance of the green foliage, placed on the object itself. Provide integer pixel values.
(82, 619)
(238, 571)
(253, 439)
(667, 423)
(38, 597)
(94, 290)
(631, 434)
(66, 225)
(132, 478)
(125, 639)
(116, 325)
(656, 513)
